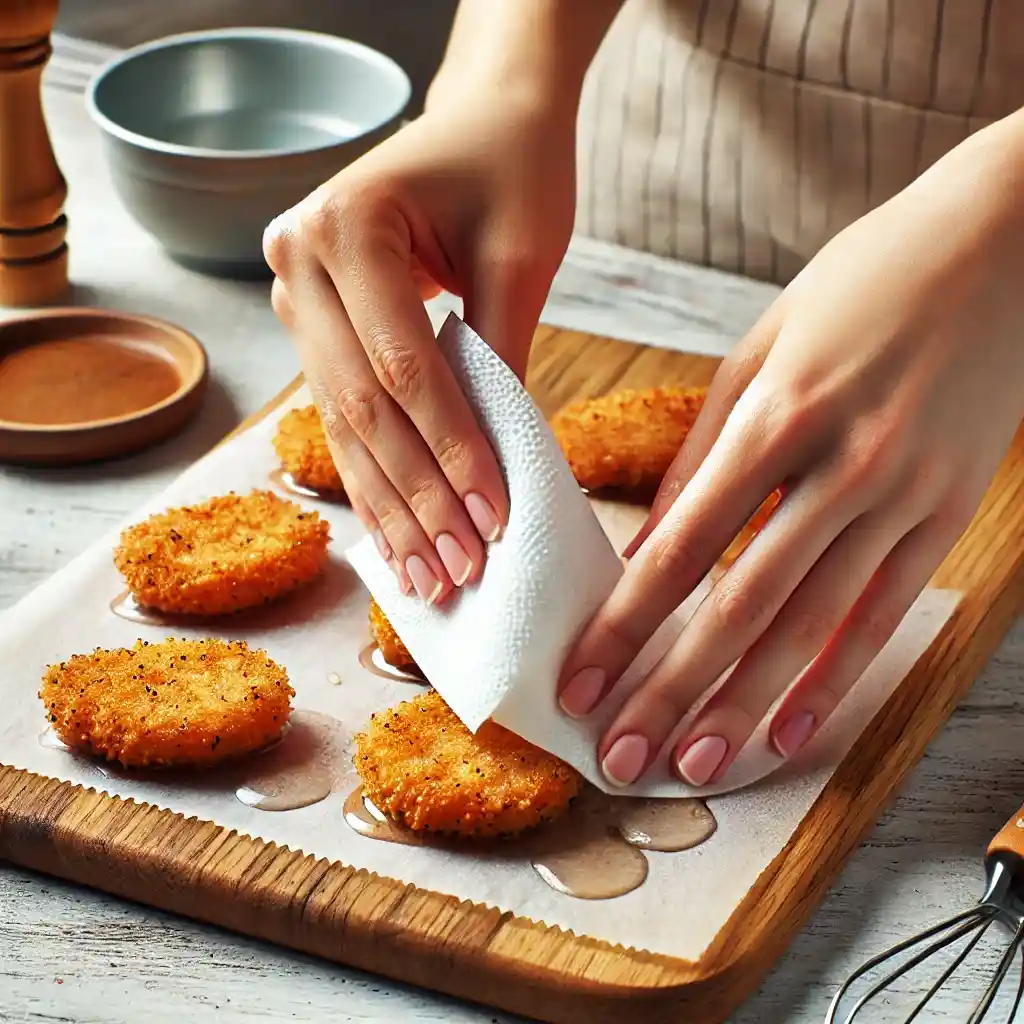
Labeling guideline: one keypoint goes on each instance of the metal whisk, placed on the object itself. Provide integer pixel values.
(1001, 904)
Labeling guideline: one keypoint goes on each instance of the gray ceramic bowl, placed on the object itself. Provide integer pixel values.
(210, 135)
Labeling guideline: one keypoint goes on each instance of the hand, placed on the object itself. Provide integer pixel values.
(475, 197)
(881, 389)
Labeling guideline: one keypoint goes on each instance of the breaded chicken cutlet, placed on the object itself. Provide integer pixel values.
(394, 652)
(172, 704)
(301, 446)
(223, 555)
(627, 440)
(420, 766)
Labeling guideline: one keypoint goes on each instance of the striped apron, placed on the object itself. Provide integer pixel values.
(743, 134)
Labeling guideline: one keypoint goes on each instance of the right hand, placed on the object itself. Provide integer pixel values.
(476, 197)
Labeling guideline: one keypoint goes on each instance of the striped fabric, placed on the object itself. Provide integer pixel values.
(743, 134)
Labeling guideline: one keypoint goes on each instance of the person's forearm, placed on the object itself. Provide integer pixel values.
(536, 49)
(977, 190)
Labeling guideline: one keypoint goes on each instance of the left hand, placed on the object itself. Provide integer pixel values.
(881, 389)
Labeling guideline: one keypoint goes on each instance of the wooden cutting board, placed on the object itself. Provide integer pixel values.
(200, 870)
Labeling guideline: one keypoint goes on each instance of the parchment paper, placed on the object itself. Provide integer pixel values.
(687, 897)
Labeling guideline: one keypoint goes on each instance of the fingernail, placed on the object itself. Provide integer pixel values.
(404, 583)
(485, 519)
(582, 692)
(383, 547)
(454, 557)
(625, 761)
(793, 733)
(702, 759)
(427, 585)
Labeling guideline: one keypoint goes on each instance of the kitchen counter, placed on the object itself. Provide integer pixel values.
(76, 956)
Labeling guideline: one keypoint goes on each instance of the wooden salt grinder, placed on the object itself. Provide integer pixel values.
(33, 253)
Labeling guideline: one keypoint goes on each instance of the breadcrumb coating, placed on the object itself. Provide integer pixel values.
(301, 446)
(627, 440)
(223, 555)
(424, 769)
(395, 652)
(171, 704)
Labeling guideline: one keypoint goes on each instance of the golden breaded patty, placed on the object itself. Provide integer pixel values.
(423, 768)
(177, 703)
(223, 555)
(301, 446)
(627, 440)
(395, 652)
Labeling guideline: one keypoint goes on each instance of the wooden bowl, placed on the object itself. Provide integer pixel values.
(81, 385)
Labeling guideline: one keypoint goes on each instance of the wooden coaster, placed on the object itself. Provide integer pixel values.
(81, 385)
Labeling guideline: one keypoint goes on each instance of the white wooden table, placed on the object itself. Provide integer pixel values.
(75, 956)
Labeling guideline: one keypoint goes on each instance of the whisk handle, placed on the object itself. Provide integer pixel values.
(1010, 838)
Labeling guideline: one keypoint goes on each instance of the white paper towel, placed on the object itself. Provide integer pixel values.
(495, 650)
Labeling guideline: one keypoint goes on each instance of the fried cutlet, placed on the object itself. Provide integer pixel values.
(171, 704)
(394, 652)
(223, 555)
(301, 446)
(627, 440)
(424, 769)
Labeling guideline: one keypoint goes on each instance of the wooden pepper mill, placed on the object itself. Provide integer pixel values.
(33, 253)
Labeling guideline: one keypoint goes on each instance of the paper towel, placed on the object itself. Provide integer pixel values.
(495, 650)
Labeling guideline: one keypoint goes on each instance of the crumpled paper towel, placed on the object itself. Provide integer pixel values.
(496, 650)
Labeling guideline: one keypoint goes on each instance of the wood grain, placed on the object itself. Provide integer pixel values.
(196, 868)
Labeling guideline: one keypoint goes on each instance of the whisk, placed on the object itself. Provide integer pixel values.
(1002, 903)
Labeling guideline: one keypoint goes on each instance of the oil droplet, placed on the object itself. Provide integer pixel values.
(667, 826)
(362, 817)
(49, 739)
(298, 771)
(125, 606)
(287, 482)
(593, 852)
(372, 660)
(583, 855)
(596, 868)
(334, 679)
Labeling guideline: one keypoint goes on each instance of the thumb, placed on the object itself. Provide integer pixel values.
(732, 378)
(503, 304)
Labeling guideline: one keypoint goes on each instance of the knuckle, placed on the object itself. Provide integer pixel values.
(671, 557)
(423, 493)
(741, 608)
(783, 416)
(453, 452)
(281, 303)
(278, 246)
(396, 524)
(626, 641)
(667, 704)
(397, 366)
(318, 224)
(729, 713)
(871, 458)
(811, 628)
(334, 423)
(878, 624)
(361, 410)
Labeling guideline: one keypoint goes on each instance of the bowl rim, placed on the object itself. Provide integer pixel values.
(320, 39)
(188, 383)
